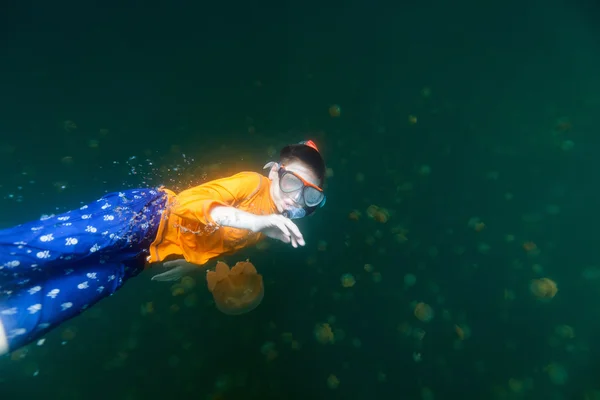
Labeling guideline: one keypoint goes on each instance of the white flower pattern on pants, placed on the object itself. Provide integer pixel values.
(54, 268)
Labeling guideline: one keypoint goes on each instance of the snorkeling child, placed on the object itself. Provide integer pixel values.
(53, 269)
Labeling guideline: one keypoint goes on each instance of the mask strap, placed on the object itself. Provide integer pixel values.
(269, 164)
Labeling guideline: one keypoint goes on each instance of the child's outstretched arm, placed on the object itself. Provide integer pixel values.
(274, 226)
(234, 218)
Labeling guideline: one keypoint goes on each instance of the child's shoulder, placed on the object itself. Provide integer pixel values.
(249, 174)
(250, 177)
(250, 183)
(243, 183)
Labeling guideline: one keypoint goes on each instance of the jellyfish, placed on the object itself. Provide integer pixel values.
(565, 331)
(423, 312)
(557, 373)
(409, 280)
(543, 288)
(354, 215)
(333, 382)
(335, 110)
(268, 350)
(378, 214)
(236, 291)
(324, 334)
(348, 280)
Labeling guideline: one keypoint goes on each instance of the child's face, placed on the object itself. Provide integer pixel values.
(285, 201)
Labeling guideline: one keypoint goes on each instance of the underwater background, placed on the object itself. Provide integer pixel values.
(456, 257)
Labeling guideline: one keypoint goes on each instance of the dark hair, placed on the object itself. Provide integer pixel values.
(306, 155)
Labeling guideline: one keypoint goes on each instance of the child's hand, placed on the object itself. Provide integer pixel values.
(281, 228)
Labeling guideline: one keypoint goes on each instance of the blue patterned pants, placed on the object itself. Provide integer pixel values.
(54, 268)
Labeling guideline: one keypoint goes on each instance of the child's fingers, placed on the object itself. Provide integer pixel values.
(281, 226)
(293, 228)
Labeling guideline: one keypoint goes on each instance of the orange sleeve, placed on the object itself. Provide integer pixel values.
(196, 203)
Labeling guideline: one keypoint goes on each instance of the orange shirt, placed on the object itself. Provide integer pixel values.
(188, 230)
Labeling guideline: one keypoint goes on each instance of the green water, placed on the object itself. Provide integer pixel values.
(96, 97)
